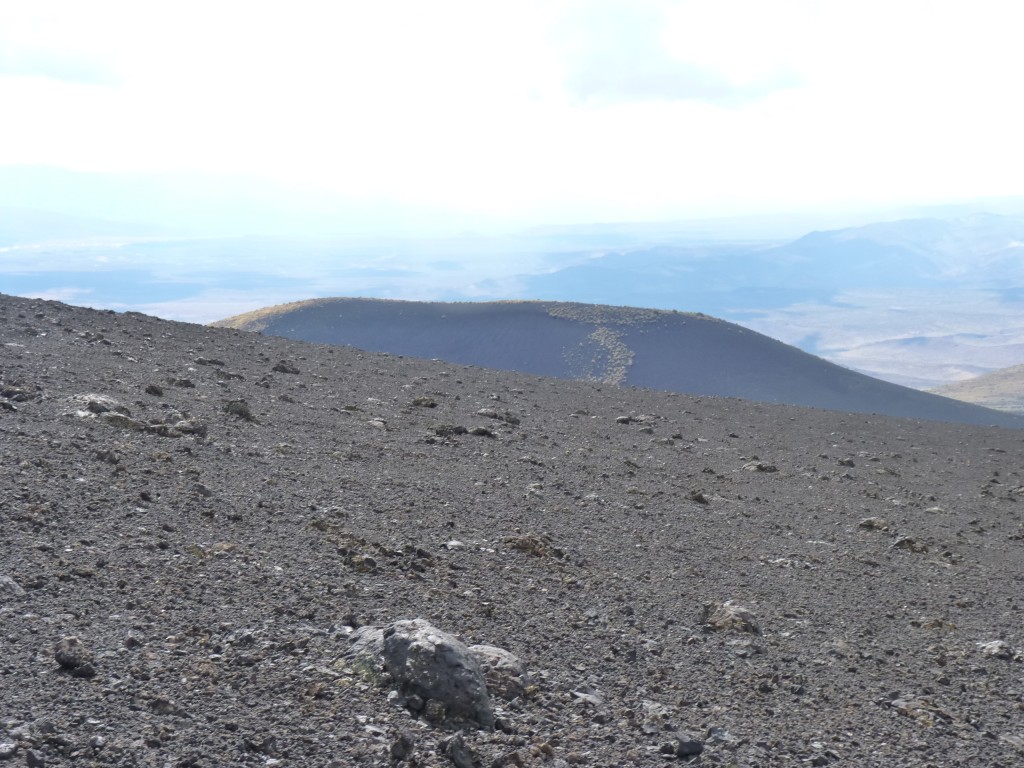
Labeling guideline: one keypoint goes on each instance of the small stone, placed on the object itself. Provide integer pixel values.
(504, 672)
(10, 586)
(720, 735)
(911, 545)
(44, 727)
(115, 419)
(402, 746)
(241, 409)
(285, 367)
(535, 544)
(698, 496)
(154, 390)
(455, 749)
(108, 456)
(923, 710)
(434, 711)
(874, 524)
(517, 759)
(998, 649)
(1013, 739)
(102, 404)
(729, 616)
(33, 759)
(71, 653)
(7, 750)
(163, 706)
(415, 703)
(682, 746)
(589, 697)
(85, 670)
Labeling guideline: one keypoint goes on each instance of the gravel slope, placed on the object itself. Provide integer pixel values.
(214, 548)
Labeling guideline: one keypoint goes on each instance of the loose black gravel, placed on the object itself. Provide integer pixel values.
(213, 545)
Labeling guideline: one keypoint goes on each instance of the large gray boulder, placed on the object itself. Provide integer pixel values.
(434, 665)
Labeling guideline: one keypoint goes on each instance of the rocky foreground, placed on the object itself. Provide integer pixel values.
(226, 549)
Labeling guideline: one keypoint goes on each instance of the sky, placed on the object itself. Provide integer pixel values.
(454, 121)
(546, 111)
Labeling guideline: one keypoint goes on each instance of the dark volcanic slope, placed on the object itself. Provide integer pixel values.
(673, 351)
(215, 565)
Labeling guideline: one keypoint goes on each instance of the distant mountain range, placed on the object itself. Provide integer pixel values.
(921, 302)
(665, 350)
(979, 249)
(918, 302)
(975, 251)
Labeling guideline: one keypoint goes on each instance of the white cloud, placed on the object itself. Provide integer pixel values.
(53, 64)
(533, 110)
(624, 50)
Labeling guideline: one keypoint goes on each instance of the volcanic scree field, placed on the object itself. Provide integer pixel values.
(215, 515)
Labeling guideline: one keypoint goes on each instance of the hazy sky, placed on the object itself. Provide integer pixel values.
(534, 111)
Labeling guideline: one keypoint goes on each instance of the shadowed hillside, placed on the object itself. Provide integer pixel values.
(666, 350)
